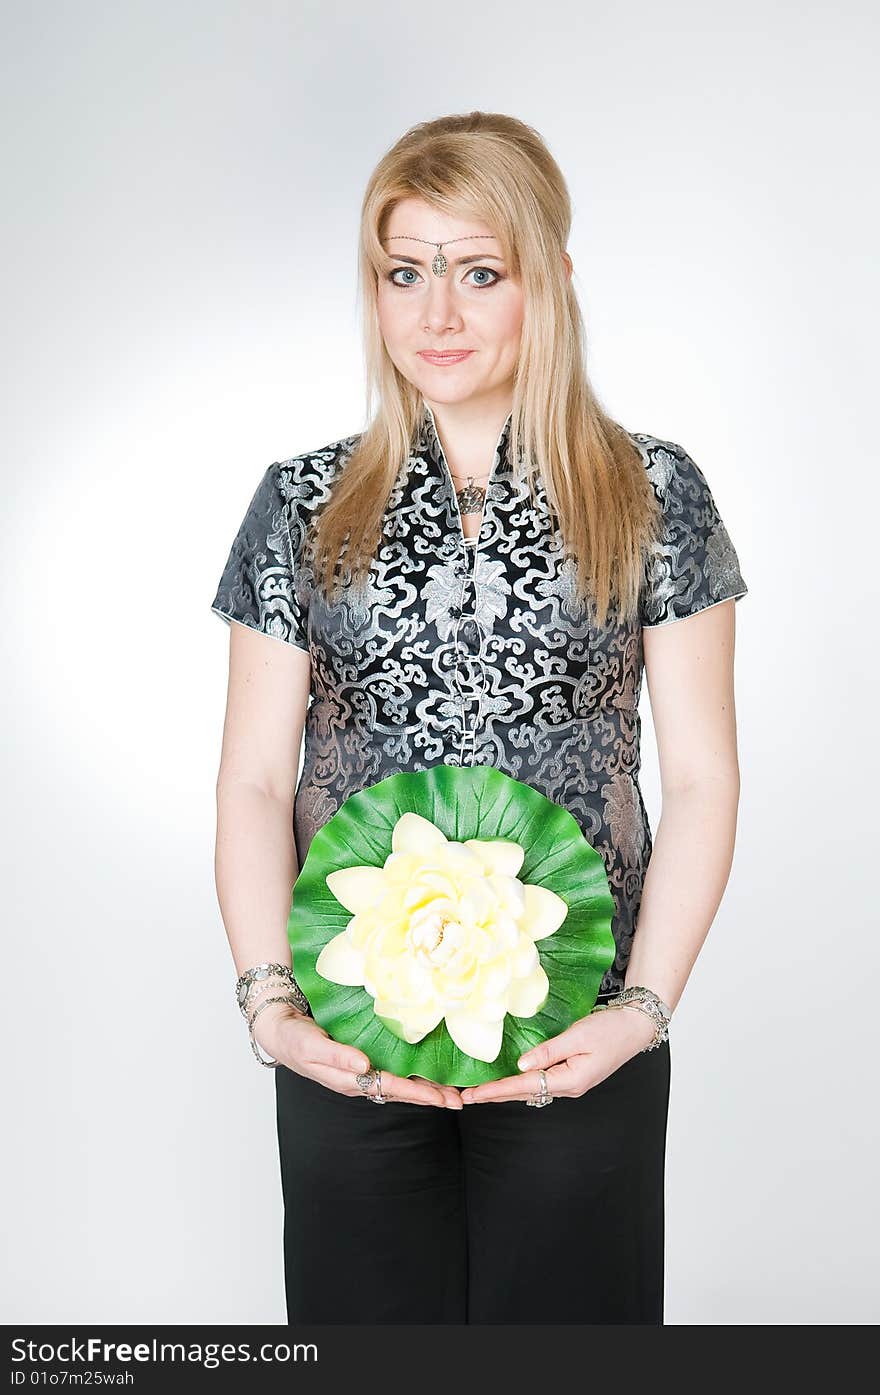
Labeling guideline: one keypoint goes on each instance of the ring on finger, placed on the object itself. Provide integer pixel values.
(544, 1097)
(370, 1077)
(378, 1097)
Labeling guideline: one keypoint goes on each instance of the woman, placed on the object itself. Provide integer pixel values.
(479, 577)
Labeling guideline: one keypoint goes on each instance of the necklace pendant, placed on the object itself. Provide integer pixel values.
(439, 265)
(471, 498)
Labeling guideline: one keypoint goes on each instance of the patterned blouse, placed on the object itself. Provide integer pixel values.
(476, 654)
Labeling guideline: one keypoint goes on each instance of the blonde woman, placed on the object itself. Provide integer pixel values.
(480, 576)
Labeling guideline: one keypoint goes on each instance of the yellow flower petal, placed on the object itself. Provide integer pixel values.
(498, 854)
(364, 926)
(417, 1023)
(357, 888)
(426, 888)
(544, 911)
(504, 932)
(525, 956)
(461, 862)
(526, 996)
(495, 977)
(402, 975)
(414, 834)
(483, 1008)
(478, 902)
(401, 867)
(509, 891)
(340, 961)
(479, 1039)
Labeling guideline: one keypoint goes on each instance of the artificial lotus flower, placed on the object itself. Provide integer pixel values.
(444, 932)
(446, 920)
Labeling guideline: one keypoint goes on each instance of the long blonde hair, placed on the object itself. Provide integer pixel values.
(493, 167)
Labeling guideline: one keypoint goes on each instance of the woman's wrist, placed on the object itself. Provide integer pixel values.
(643, 1027)
(261, 990)
(266, 1025)
(647, 1003)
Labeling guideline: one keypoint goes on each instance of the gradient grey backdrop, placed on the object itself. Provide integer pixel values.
(182, 186)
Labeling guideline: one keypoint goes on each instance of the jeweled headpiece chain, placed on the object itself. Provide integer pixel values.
(439, 265)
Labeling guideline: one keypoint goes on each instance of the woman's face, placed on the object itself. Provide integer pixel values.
(475, 306)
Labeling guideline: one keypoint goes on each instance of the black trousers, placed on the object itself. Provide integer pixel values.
(496, 1213)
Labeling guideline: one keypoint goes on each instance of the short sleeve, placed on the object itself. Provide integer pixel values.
(694, 565)
(258, 586)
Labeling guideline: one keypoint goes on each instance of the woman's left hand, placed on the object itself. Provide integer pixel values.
(574, 1061)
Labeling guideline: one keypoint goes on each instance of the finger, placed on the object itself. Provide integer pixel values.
(554, 1049)
(451, 1094)
(324, 1051)
(561, 1079)
(413, 1090)
(394, 1088)
(343, 1082)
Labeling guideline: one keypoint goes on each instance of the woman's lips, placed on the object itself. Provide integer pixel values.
(442, 359)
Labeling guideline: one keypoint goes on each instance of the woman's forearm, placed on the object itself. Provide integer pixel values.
(685, 881)
(255, 868)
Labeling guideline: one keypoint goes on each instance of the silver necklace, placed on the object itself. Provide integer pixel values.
(471, 497)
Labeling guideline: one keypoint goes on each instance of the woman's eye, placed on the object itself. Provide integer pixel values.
(474, 271)
(482, 271)
(393, 274)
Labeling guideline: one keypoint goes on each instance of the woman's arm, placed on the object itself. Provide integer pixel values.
(255, 860)
(689, 666)
(255, 857)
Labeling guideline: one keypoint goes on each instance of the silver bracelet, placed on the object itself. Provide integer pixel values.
(647, 1001)
(648, 995)
(261, 972)
(255, 1045)
(252, 983)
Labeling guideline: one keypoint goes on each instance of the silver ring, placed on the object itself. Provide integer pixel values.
(538, 1101)
(368, 1078)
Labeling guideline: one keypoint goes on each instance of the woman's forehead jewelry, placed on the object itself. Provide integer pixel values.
(440, 265)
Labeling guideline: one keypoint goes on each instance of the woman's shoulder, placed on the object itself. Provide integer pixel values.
(694, 563)
(319, 463)
(674, 474)
(304, 480)
(661, 457)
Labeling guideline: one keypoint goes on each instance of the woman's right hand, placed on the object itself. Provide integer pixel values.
(295, 1040)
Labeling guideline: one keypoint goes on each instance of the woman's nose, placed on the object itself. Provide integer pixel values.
(441, 308)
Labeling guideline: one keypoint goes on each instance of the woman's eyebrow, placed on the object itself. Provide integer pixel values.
(462, 261)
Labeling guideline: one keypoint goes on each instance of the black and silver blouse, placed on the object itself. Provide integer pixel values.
(476, 654)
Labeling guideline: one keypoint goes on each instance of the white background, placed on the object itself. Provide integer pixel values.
(182, 185)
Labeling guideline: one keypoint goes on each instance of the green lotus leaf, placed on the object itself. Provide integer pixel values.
(464, 802)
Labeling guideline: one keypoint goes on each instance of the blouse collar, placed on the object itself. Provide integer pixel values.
(430, 447)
